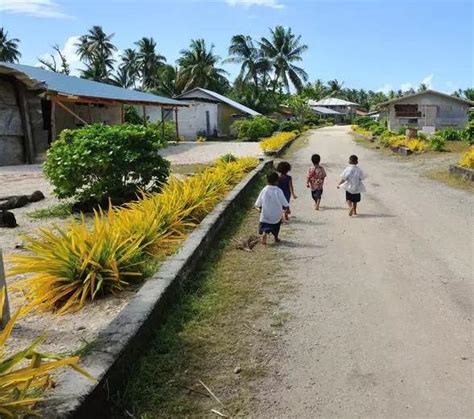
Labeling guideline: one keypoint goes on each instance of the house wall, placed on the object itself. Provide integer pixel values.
(12, 148)
(225, 118)
(436, 111)
(106, 114)
(192, 119)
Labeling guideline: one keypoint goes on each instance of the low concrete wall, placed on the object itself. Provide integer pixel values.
(462, 171)
(126, 337)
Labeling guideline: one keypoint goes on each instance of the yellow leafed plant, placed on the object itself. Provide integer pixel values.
(68, 267)
(277, 141)
(467, 159)
(26, 374)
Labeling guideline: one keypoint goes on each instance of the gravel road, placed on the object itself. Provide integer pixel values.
(381, 319)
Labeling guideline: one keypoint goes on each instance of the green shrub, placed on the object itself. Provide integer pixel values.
(227, 158)
(313, 120)
(169, 131)
(468, 132)
(450, 134)
(437, 143)
(376, 129)
(364, 121)
(251, 129)
(402, 131)
(330, 121)
(288, 126)
(132, 116)
(100, 161)
(422, 136)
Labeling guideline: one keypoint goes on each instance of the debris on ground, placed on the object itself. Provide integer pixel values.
(246, 244)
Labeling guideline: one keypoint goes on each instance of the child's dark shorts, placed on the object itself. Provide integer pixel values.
(317, 194)
(269, 228)
(352, 197)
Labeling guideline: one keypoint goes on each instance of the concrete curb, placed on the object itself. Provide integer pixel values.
(282, 149)
(126, 337)
(462, 171)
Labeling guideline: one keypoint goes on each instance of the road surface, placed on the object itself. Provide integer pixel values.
(381, 317)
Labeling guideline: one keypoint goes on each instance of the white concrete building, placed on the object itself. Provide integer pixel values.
(427, 111)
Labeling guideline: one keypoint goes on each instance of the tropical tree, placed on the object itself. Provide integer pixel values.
(334, 87)
(149, 62)
(469, 93)
(251, 59)
(198, 68)
(8, 47)
(422, 87)
(96, 50)
(284, 48)
(129, 67)
(52, 64)
(167, 81)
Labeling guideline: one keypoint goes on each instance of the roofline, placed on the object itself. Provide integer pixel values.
(389, 102)
(34, 84)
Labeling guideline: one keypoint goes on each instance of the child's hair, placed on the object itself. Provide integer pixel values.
(353, 159)
(272, 178)
(315, 158)
(283, 167)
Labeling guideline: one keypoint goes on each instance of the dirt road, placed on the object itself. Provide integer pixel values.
(381, 319)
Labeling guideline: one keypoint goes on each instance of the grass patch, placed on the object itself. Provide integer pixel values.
(62, 210)
(450, 179)
(224, 319)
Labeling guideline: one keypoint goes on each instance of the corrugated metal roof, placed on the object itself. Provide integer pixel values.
(38, 78)
(221, 98)
(331, 101)
(435, 92)
(325, 111)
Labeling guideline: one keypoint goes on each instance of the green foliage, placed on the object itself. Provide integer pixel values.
(111, 161)
(364, 121)
(468, 133)
(401, 131)
(450, 134)
(288, 126)
(251, 129)
(227, 158)
(376, 129)
(62, 210)
(298, 105)
(313, 120)
(165, 133)
(132, 116)
(437, 143)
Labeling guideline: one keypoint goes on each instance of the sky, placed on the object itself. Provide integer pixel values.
(371, 44)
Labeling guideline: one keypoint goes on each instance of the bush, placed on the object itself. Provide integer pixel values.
(106, 161)
(313, 120)
(275, 142)
(169, 131)
(288, 126)
(402, 131)
(450, 134)
(416, 145)
(467, 160)
(377, 129)
(227, 158)
(132, 116)
(363, 121)
(468, 132)
(252, 129)
(437, 143)
(81, 260)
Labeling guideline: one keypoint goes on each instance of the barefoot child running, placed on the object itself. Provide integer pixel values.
(285, 183)
(351, 181)
(315, 180)
(271, 202)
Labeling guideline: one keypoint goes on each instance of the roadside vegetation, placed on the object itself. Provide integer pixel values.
(222, 334)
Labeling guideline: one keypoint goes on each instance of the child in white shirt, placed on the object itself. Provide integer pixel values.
(271, 202)
(351, 181)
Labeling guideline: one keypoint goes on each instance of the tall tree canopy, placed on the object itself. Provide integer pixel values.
(284, 48)
(149, 62)
(9, 51)
(198, 68)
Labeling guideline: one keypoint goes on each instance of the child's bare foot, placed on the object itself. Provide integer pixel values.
(277, 240)
(351, 212)
(264, 239)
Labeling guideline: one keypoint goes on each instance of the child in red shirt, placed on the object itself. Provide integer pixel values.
(315, 180)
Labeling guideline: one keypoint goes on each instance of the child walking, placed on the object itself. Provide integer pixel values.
(271, 202)
(315, 180)
(351, 181)
(285, 183)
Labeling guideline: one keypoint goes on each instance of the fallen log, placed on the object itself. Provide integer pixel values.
(18, 201)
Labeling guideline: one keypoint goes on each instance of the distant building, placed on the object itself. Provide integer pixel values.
(36, 105)
(339, 105)
(209, 114)
(427, 111)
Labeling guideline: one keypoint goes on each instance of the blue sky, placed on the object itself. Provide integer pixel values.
(372, 44)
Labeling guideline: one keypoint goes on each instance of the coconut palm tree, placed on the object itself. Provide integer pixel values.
(335, 87)
(128, 72)
(96, 50)
(52, 64)
(251, 59)
(8, 47)
(283, 49)
(422, 87)
(167, 81)
(198, 68)
(149, 62)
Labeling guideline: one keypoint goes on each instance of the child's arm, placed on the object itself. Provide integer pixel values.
(258, 202)
(340, 182)
(292, 190)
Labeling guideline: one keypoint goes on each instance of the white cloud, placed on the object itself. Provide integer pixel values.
(428, 80)
(385, 88)
(69, 52)
(274, 4)
(406, 86)
(37, 8)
